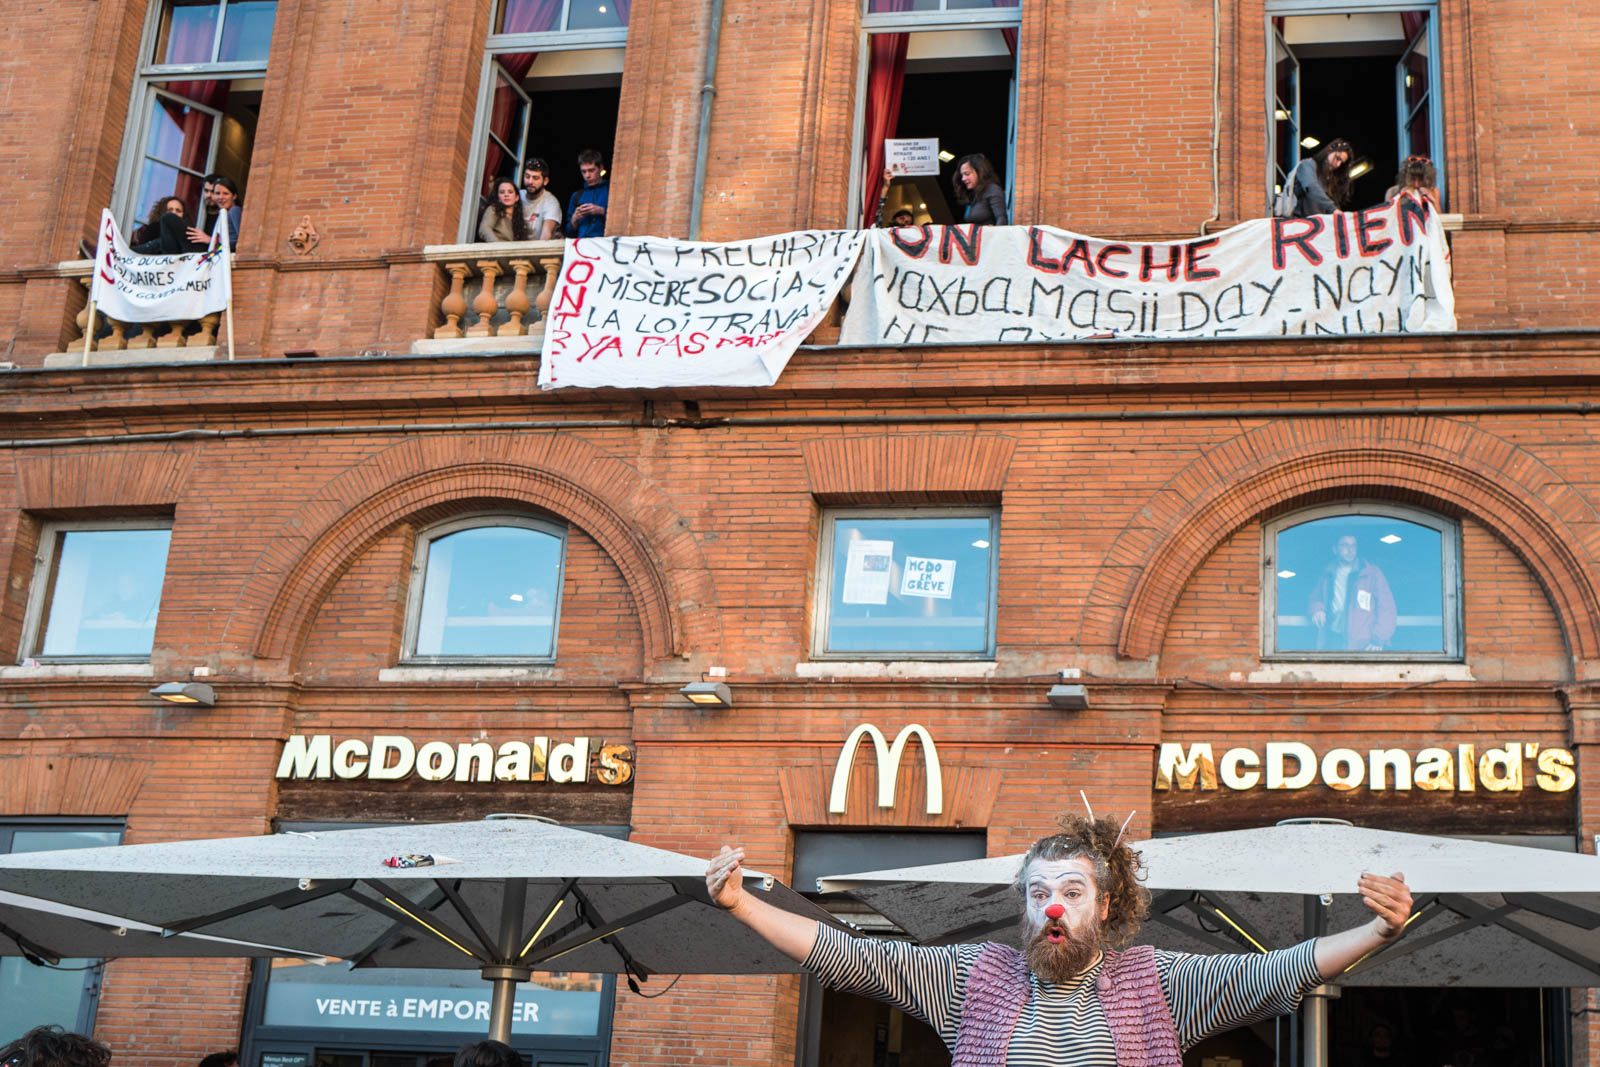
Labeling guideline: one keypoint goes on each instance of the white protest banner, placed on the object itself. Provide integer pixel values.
(912, 157)
(638, 312)
(1384, 270)
(867, 568)
(136, 288)
(934, 578)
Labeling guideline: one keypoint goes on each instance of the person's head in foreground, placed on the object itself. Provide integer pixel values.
(51, 1046)
(1080, 893)
(225, 1058)
(903, 217)
(488, 1054)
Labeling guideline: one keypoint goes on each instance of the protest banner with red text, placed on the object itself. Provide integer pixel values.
(134, 288)
(1384, 270)
(643, 312)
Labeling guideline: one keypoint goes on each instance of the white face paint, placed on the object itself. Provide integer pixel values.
(1069, 883)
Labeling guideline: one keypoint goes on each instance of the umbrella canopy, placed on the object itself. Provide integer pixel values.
(46, 932)
(504, 897)
(1485, 914)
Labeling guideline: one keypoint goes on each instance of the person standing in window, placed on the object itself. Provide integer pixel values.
(165, 232)
(503, 219)
(1322, 181)
(978, 188)
(539, 207)
(586, 208)
(1418, 177)
(225, 194)
(1351, 605)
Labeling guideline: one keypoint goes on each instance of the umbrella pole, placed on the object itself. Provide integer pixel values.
(503, 998)
(1314, 1026)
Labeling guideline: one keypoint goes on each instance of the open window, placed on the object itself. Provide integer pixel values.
(1363, 71)
(552, 84)
(939, 69)
(196, 103)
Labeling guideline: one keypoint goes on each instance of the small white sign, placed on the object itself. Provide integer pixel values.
(866, 572)
(928, 577)
(912, 157)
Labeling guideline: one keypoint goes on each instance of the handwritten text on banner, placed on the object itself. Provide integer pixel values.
(133, 288)
(641, 312)
(1385, 270)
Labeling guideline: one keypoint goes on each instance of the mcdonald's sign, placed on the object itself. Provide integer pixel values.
(888, 766)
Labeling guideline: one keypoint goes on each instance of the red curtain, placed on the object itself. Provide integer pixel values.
(1412, 21)
(886, 80)
(193, 38)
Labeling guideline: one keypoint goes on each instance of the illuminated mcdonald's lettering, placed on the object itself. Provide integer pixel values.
(888, 766)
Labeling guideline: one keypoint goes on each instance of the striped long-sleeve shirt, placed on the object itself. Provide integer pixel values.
(1063, 1023)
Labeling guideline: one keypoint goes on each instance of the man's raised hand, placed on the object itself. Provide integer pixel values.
(724, 877)
(1389, 899)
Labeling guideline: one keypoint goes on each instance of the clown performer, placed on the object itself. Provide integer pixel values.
(1069, 998)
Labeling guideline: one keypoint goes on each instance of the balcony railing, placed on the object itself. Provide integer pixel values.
(496, 295)
(179, 340)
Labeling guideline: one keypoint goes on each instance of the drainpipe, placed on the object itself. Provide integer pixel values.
(708, 93)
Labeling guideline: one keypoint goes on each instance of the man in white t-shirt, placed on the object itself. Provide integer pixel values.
(542, 210)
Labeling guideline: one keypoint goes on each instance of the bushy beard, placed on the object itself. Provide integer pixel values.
(1058, 961)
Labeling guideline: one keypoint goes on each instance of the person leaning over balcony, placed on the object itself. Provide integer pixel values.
(503, 219)
(1322, 181)
(166, 231)
(978, 187)
(586, 208)
(539, 207)
(1418, 177)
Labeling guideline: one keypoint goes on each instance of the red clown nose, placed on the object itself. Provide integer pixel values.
(1054, 911)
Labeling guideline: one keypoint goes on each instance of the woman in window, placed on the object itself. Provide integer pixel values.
(225, 192)
(503, 219)
(166, 231)
(978, 188)
(1417, 178)
(1322, 182)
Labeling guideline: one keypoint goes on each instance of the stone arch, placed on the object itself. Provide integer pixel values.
(1442, 464)
(633, 522)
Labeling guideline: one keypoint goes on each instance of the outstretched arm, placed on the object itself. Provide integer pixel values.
(1390, 901)
(791, 934)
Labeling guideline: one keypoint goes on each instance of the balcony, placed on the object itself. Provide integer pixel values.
(496, 296)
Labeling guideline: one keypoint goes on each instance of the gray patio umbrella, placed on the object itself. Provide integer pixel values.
(45, 933)
(503, 897)
(1485, 914)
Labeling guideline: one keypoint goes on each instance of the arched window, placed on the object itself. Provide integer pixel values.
(1361, 581)
(486, 588)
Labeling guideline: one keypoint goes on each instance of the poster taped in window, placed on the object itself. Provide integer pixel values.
(134, 288)
(932, 578)
(916, 157)
(867, 569)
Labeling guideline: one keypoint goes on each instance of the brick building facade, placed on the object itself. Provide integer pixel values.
(1140, 490)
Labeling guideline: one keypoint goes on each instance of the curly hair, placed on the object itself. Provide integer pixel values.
(51, 1046)
(1116, 871)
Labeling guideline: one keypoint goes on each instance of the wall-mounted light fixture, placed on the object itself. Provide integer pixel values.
(186, 693)
(1067, 695)
(708, 694)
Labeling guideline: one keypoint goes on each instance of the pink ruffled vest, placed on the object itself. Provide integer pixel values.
(1130, 995)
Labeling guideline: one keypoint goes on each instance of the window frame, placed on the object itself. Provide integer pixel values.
(1449, 531)
(982, 18)
(142, 103)
(418, 579)
(44, 559)
(93, 975)
(1290, 8)
(499, 44)
(822, 604)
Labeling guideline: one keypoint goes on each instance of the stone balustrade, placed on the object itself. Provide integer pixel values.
(495, 294)
(132, 342)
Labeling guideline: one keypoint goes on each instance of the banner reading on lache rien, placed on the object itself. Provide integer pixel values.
(640, 312)
(134, 288)
(1384, 270)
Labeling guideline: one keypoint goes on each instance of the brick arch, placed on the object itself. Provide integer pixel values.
(1441, 464)
(633, 523)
